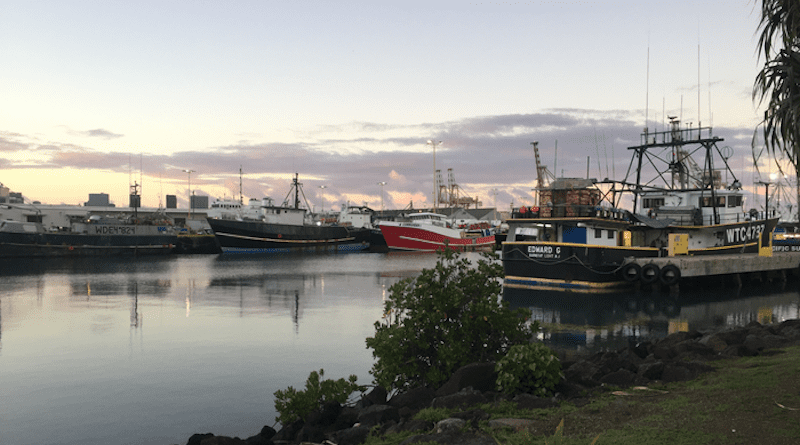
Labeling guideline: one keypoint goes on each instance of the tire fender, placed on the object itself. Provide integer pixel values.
(670, 274)
(650, 273)
(631, 272)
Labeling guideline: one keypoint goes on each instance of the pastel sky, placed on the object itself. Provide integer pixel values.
(99, 94)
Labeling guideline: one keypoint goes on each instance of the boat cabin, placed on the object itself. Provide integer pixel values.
(695, 208)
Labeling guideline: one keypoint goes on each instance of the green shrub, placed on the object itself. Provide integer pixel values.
(292, 404)
(531, 368)
(447, 317)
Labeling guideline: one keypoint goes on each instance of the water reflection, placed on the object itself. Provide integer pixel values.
(580, 324)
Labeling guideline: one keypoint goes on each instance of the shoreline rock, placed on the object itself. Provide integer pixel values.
(681, 356)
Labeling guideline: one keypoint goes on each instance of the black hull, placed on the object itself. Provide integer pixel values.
(13, 245)
(198, 244)
(377, 243)
(256, 237)
(567, 262)
(543, 265)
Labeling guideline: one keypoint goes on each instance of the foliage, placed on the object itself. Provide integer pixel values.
(447, 317)
(531, 368)
(432, 414)
(779, 80)
(292, 404)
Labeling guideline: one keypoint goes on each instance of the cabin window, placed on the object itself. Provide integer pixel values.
(734, 201)
(598, 233)
(611, 234)
(34, 218)
(706, 201)
(651, 203)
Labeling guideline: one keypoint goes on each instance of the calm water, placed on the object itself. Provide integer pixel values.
(151, 351)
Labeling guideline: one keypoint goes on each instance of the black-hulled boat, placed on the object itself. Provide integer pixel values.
(286, 228)
(580, 239)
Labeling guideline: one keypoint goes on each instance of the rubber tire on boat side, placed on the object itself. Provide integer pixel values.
(650, 273)
(670, 275)
(631, 272)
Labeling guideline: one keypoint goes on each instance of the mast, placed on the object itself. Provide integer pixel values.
(296, 186)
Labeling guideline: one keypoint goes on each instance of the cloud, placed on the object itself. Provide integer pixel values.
(7, 145)
(101, 133)
(484, 153)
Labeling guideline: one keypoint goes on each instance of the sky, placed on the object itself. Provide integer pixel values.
(99, 95)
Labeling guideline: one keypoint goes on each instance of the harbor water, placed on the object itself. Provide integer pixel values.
(153, 350)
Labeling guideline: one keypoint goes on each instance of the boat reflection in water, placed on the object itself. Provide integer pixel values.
(579, 324)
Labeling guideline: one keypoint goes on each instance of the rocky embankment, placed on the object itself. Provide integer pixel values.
(678, 357)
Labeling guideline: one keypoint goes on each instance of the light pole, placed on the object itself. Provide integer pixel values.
(435, 188)
(189, 213)
(494, 212)
(382, 183)
(322, 187)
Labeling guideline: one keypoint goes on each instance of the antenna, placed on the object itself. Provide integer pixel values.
(647, 92)
(698, 91)
(241, 200)
(710, 115)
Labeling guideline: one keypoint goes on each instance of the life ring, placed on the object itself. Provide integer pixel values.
(71, 248)
(631, 272)
(670, 274)
(650, 273)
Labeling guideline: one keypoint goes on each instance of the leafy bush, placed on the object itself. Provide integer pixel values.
(432, 415)
(531, 368)
(292, 404)
(445, 318)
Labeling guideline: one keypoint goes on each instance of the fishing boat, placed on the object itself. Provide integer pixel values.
(428, 232)
(265, 227)
(93, 236)
(579, 237)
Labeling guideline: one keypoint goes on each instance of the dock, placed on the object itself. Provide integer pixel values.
(671, 269)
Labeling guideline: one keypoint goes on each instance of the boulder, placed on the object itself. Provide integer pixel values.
(375, 397)
(351, 436)
(584, 372)
(480, 376)
(378, 414)
(622, 378)
(451, 425)
(415, 399)
(464, 398)
(651, 370)
(195, 439)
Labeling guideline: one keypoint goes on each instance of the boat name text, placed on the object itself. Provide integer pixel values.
(544, 252)
(114, 230)
(744, 234)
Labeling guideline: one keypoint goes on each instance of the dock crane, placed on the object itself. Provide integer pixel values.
(543, 175)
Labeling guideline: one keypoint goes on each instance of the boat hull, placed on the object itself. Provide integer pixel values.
(408, 238)
(259, 237)
(77, 245)
(580, 267)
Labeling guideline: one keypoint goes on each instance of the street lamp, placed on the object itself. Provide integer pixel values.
(322, 187)
(494, 212)
(435, 191)
(189, 192)
(382, 183)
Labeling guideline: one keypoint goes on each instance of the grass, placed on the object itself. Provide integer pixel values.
(752, 401)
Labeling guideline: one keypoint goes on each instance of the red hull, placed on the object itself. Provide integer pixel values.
(419, 239)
